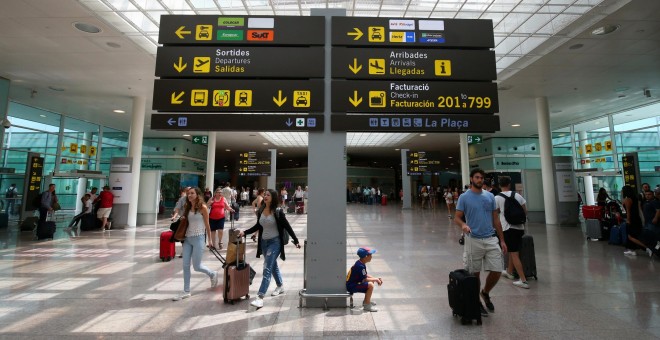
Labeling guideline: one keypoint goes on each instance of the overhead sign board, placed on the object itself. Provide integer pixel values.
(415, 123)
(422, 163)
(454, 33)
(390, 63)
(236, 122)
(253, 163)
(240, 62)
(414, 97)
(241, 30)
(238, 95)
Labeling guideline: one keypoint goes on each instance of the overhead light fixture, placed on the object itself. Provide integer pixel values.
(43, 116)
(397, 149)
(603, 30)
(228, 150)
(87, 28)
(450, 157)
(118, 111)
(422, 135)
(186, 135)
(515, 125)
(280, 153)
(264, 143)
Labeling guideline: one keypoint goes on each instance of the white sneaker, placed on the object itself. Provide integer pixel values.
(649, 252)
(214, 280)
(279, 290)
(630, 252)
(258, 302)
(369, 308)
(507, 275)
(181, 296)
(521, 284)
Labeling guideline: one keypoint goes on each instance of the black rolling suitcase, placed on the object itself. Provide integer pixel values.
(463, 294)
(528, 257)
(46, 230)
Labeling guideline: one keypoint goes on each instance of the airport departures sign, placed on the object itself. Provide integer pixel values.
(439, 72)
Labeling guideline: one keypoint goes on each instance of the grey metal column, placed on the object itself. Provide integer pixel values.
(465, 160)
(60, 140)
(272, 179)
(547, 170)
(4, 110)
(405, 182)
(210, 160)
(135, 152)
(615, 154)
(98, 151)
(325, 264)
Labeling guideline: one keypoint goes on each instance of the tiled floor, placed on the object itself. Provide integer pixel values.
(113, 285)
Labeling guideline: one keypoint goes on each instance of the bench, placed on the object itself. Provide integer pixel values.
(302, 294)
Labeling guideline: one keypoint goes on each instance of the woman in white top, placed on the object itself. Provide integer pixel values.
(198, 233)
(87, 209)
(449, 199)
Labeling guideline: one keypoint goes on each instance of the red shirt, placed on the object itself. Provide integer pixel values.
(106, 198)
(218, 209)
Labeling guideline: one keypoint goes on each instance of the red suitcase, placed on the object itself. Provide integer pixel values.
(300, 207)
(383, 200)
(167, 251)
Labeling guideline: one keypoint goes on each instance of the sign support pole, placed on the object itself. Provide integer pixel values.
(405, 182)
(465, 160)
(325, 265)
(272, 179)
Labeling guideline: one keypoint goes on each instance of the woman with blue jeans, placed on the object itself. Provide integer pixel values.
(197, 234)
(271, 225)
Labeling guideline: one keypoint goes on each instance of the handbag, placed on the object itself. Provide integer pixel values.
(56, 206)
(180, 233)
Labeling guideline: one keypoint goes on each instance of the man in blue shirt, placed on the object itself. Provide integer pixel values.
(485, 242)
(46, 203)
(357, 279)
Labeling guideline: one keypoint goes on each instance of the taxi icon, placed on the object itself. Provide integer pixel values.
(203, 33)
(301, 100)
(376, 34)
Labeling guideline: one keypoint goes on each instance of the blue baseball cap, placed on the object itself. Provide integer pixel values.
(365, 251)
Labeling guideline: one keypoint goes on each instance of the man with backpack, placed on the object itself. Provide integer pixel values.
(513, 215)
(10, 195)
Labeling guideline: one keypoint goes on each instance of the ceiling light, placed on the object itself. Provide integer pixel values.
(603, 30)
(186, 135)
(422, 135)
(87, 28)
(227, 150)
(280, 153)
(44, 116)
(264, 143)
(397, 149)
(515, 125)
(118, 111)
(450, 157)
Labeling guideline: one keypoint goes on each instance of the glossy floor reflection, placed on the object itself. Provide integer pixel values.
(113, 285)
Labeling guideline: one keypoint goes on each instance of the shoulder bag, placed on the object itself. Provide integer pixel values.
(180, 233)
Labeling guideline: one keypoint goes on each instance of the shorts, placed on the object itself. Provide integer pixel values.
(103, 212)
(513, 239)
(217, 224)
(358, 288)
(485, 254)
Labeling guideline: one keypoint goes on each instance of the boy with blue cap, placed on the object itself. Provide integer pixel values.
(357, 279)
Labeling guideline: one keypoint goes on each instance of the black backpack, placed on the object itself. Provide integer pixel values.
(514, 213)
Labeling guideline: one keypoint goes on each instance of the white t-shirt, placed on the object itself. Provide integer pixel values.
(499, 201)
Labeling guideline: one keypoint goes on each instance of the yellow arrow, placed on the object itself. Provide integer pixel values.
(175, 98)
(279, 100)
(357, 34)
(355, 67)
(355, 100)
(181, 66)
(180, 32)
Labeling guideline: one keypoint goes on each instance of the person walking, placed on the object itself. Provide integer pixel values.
(272, 226)
(218, 205)
(106, 199)
(513, 233)
(198, 232)
(449, 199)
(483, 235)
(46, 204)
(10, 196)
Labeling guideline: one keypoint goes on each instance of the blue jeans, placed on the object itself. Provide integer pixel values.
(271, 251)
(193, 248)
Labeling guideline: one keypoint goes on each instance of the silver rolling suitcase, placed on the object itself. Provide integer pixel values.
(593, 229)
